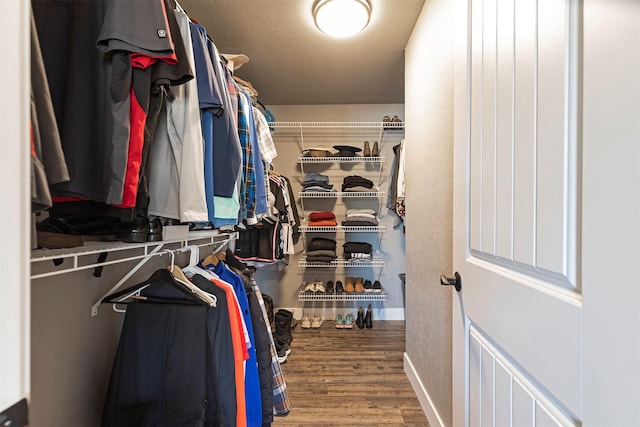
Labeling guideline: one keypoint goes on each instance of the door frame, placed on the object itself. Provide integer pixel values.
(15, 216)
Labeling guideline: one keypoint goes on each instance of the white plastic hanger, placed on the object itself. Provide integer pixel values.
(190, 271)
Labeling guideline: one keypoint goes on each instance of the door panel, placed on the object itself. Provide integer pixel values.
(501, 393)
(545, 328)
(520, 300)
(522, 181)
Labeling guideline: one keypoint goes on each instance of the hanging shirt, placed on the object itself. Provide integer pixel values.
(261, 205)
(177, 180)
(248, 180)
(252, 383)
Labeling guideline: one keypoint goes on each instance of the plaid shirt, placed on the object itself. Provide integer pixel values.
(265, 141)
(248, 183)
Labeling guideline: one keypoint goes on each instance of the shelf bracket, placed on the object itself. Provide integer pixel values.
(143, 261)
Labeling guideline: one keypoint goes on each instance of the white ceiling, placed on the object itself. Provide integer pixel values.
(291, 62)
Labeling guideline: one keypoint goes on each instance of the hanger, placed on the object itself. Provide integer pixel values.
(210, 259)
(181, 277)
(161, 275)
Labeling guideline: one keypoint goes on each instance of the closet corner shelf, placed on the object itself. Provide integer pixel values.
(303, 159)
(342, 228)
(83, 257)
(350, 296)
(341, 262)
(336, 194)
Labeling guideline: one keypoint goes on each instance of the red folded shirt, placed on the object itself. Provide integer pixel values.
(317, 216)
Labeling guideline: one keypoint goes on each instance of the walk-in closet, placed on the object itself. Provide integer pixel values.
(244, 213)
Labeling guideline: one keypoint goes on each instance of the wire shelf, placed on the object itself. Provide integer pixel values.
(337, 125)
(349, 296)
(120, 250)
(341, 262)
(342, 228)
(336, 194)
(334, 159)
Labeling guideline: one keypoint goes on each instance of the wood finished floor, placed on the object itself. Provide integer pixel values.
(349, 377)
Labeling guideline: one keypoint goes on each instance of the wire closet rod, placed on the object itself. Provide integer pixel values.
(155, 252)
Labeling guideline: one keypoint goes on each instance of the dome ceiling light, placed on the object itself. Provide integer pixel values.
(342, 18)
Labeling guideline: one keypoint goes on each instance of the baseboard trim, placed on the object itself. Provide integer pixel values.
(421, 392)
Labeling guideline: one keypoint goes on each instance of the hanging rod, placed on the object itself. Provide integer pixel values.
(157, 251)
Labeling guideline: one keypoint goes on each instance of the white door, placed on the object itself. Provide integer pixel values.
(14, 214)
(547, 221)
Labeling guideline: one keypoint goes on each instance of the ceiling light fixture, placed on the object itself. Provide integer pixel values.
(342, 18)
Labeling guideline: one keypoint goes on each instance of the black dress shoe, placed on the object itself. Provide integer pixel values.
(368, 318)
(133, 232)
(155, 230)
(360, 318)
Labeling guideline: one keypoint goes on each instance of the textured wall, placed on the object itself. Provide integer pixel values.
(429, 155)
(284, 285)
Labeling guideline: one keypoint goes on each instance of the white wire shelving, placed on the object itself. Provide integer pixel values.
(338, 159)
(341, 262)
(347, 296)
(336, 194)
(53, 262)
(343, 229)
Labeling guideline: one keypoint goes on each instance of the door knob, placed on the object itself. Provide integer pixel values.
(455, 281)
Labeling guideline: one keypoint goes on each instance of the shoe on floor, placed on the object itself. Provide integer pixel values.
(305, 322)
(360, 318)
(316, 322)
(339, 322)
(348, 321)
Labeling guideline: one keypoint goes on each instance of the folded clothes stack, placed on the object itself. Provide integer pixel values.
(360, 218)
(321, 249)
(356, 183)
(357, 250)
(315, 182)
(322, 219)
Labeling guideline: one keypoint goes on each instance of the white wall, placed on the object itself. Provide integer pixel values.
(284, 285)
(429, 192)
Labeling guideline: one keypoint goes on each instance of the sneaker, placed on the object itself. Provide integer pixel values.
(309, 288)
(316, 322)
(305, 323)
(340, 322)
(348, 321)
(329, 287)
(368, 286)
(282, 356)
(320, 287)
(377, 287)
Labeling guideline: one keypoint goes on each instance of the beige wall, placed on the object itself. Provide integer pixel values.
(429, 153)
(284, 285)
